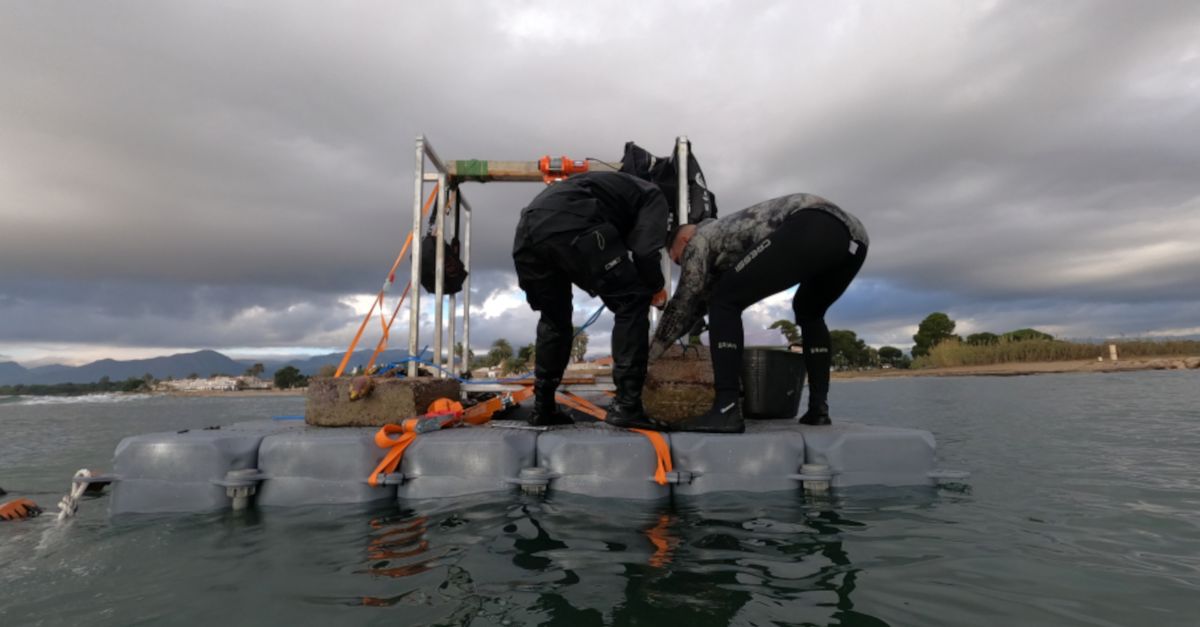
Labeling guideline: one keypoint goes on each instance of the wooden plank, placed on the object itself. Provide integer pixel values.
(483, 170)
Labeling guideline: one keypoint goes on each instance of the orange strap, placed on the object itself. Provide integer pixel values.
(664, 543)
(581, 405)
(382, 344)
(662, 450)
(354, 343)
(453, 414)
(384, 439)
(482, 413)
(379, 297)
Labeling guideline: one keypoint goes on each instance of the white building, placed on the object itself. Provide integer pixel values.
(214, 384)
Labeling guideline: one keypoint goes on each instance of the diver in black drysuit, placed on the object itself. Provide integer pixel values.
(731, 263)
(603, 232)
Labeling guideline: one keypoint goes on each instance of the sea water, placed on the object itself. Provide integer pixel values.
(1083, 508)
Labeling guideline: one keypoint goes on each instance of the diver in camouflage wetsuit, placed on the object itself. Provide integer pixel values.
(733, 262)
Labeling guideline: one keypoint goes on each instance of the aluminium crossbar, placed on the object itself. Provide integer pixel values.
(447, 175)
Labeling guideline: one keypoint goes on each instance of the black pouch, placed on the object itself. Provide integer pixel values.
(605, 262)
(455, 273)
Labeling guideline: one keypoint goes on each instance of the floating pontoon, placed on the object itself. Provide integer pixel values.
(286, 463)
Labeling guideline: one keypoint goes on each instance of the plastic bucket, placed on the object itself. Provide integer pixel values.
(772, 380)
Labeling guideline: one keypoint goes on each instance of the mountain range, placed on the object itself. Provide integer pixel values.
(179, 366)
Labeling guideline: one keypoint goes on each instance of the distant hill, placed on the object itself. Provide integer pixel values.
(179, 366)
(12, 372)
(309, 366)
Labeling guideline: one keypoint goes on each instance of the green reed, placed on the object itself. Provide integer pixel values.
(953, 353)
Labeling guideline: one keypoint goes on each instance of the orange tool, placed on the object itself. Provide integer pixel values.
(558, 168)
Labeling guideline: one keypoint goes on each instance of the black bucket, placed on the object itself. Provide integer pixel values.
(772, 379)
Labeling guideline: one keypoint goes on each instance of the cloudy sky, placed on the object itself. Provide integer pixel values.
(238, 176)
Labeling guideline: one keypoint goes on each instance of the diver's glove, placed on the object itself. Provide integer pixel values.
(659, 300)
(657, 349)
(18, 509)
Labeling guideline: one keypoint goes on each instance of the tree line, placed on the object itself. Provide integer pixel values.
(501, 354)
(847, 350)
(850, 352)
(103, 386)
(937, 327)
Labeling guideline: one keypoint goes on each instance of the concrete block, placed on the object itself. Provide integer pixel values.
(679, 384)
(392, 400)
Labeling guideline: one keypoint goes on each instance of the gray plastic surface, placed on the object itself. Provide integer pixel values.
(456, 462)
(760, 460)
(320, 466)
(599, 460)
(183, 472)
(176, 472)
(867, 455)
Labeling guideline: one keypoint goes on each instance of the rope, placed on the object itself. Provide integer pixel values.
(70, 503)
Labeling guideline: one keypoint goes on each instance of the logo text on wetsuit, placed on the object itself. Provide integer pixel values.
(752, 254)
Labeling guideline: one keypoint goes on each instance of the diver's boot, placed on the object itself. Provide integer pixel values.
(630, 415)
(817, 414)
(626, 410)
(545, 409)
(722, 418)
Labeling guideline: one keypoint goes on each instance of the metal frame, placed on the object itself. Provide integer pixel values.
(447, 175)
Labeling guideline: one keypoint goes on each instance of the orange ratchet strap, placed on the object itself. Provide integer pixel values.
(384, 439)
(662, 450)
(391, 278)
(444, 413)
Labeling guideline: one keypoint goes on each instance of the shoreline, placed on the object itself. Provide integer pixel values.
(1018, 369)
(234, 393)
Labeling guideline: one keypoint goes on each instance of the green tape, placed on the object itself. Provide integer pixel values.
(471, 167)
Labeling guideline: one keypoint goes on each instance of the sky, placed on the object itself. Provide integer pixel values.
(238, 175)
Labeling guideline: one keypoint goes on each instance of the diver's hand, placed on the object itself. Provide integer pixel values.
(659, 300)
(18, 509)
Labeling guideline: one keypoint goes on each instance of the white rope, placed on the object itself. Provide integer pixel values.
(70, 503)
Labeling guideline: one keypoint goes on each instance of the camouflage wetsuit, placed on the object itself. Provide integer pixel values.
(740, 259)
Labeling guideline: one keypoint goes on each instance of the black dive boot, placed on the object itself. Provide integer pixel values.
(817, 414)
(626, 410)
(545, 409)
(722, 418)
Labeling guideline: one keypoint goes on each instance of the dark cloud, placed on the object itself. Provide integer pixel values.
(216, 174)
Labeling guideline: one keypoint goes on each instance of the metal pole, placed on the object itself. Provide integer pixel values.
(453, 203)
(439, 269)
(414, 301)
(681, 159)
(681, 167)
(467, 288)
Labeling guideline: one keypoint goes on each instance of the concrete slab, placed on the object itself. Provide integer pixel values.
(393, 399)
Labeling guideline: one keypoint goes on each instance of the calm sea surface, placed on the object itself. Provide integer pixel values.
(1083, 508)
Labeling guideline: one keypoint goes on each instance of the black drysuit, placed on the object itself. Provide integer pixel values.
(603, 232)
(736, 261)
